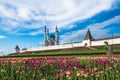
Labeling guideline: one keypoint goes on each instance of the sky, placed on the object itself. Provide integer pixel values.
(22, 21)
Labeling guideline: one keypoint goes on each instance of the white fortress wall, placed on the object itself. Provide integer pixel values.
(78, 44)
(55, 47)
(101, 42)
(86, 42)
(116, 41)
(65, 46)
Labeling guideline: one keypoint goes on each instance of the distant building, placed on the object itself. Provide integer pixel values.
(17, 49)
(50, 40)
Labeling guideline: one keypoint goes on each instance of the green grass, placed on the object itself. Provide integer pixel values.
(62, 53)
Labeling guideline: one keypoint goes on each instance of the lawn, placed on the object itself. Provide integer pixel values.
(62, 53)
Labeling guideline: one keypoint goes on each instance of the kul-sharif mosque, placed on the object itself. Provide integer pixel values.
(50, 40)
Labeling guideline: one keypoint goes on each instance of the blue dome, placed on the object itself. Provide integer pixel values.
(52, 36)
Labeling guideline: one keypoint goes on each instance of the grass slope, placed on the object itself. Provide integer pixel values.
(62, 53)
(70, 52)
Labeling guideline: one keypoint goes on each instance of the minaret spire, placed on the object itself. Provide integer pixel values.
(45, 36)
(48, 34)
(56, 36)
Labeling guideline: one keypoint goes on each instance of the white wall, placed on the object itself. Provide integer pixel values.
(65, 46)
(87, 42)
(101, 42)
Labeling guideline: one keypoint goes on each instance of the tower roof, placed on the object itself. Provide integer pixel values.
(45, 28)
(88, 35)
(17, 47)
(56, 29)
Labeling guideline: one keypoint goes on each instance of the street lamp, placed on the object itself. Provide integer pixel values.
(112, 39)
(72, 46)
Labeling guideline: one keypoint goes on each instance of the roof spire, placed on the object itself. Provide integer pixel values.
(88, 35)
(45, 28)
(16, 47)
(56, 28)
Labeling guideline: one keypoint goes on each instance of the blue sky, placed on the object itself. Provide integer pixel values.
(22, 21)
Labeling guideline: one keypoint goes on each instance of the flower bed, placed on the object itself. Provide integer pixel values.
(61, 68)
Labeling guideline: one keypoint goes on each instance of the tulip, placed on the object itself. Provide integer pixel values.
(43, 79)
(3, 71)
(68, 72)
(17, 72)
(34, 75)
(85, 75)
(78, 74)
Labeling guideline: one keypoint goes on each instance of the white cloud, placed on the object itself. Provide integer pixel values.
(116, 19)
(15, 13)
(98, 30)
(75, 36)
(35, 33)
(2, 37)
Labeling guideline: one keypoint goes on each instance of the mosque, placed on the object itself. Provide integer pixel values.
(50, 40)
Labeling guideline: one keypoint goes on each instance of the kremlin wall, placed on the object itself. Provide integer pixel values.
(87, 42)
